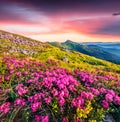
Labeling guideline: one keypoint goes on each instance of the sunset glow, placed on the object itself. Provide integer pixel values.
(81, 20)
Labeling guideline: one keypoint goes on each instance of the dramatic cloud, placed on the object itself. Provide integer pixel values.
(108, 26)
(84, 19)
(112, 29)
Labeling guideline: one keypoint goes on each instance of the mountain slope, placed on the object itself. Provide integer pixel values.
(19, 46)
(89, 50)
(13, 43)
(55, 84)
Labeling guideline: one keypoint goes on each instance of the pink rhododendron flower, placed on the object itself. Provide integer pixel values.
(117, 100)
(72, 88)
(31, 99)
(95, 91)
(7, 77)
(105, 104)
(36, 97)
(35, 106)
(109, 97)
(102, 90)
(0, 76)
(47, 100)
(20, 102)
(26, 72)
(19, 86)
(111, 92)
(118, 83)
(61, 101)
(77, 102)
(18, 74)
(54, 92)
(64, 119)
(78, 120)
(21, 89)
(90, 96)
(39, 118)
(30, 81)
(5, 107)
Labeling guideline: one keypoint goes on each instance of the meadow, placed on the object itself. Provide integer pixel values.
(42, 83)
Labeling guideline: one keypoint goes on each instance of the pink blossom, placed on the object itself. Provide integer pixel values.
(95, 91)
(18, 74)
(35, 106)
(61, 101)
(31, 99)
(7, 77)
(41, 118)
(26, 72)
(64, 119)
(21, 89)
(61, 94)
(105, 104)
(5, 107)
(30, 81)
(72, 88)
(90, 96)
(73, 103)
(61, 85)
(37, 118)
(117, 100)
(109, 97)
(78, 120)
(0, 76)
(66, 93)
(47, 100)
(118, 83)
(77, 102)
(19, 85)
(84, 94)
(20, 102)
(102, 90)
(111, 92)
(36, 97)
(54, 92)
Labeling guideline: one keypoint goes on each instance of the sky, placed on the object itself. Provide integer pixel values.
(60, 20)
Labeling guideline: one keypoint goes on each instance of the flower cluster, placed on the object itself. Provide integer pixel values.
(50, 93)
(5, 107)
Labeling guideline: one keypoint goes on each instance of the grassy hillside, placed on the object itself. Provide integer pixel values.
(89, 50)
(24, 47)
(43, 83)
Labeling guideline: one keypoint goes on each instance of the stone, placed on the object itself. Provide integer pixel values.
(108, 118)
(65, 59)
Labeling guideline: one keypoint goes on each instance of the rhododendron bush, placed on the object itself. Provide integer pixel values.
(31, 91)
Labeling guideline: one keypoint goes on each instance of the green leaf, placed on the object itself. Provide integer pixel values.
(25, 116)
(12, 95)
(14, 113)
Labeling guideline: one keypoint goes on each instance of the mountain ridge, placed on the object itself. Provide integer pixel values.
(44, 51)
(89, 50)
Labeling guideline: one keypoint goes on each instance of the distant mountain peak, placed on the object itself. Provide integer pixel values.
(68, 41)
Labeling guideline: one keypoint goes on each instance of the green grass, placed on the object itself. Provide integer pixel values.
(46, 51)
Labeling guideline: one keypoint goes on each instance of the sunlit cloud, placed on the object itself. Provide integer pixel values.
(82, 20)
